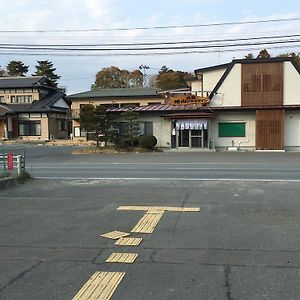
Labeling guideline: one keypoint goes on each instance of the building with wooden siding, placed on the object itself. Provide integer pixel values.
(251, 104)
(261, 96)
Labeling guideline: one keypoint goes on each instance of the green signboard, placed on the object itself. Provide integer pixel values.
(232, 129)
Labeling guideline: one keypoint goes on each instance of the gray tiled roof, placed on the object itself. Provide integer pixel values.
(21, 82)
(120, 92)
(44, 105)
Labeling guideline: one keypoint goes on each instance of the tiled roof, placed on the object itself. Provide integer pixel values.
(121, 92)
(21, 82)
(44, 105)
(159, 108)
(195, 108)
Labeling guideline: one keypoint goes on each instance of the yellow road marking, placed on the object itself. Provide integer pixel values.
(147, 223)
(100, 286)
(128, 241)
(114, 235)
(127, 258)
(160, 208)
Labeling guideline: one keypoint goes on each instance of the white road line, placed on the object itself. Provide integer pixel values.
(166, 163)
(179, 169)
(168, 179)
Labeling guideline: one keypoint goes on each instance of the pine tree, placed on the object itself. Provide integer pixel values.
(45, 68)
(16, 68)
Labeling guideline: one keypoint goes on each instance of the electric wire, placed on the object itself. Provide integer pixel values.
(148, 54)
(153, 48)
(150, 43)
(154, 27)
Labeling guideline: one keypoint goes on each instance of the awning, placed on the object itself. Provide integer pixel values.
(191, 124)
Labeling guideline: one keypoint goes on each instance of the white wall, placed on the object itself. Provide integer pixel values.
(229, 93)
(196, 86)
(243, 142)
(292, 129)
(211, 78)
(161, 129)
(291, 84)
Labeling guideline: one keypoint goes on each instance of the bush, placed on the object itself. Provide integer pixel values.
(126, 142)
(24, 176)
(147, 141)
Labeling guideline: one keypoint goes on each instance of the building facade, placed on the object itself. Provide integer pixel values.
(110, 98)
(246, 104)
(32, 108)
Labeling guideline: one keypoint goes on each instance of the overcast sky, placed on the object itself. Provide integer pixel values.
(78, 72)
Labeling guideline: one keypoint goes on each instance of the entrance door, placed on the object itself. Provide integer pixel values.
(196, 138)
(193, 138)
(184, 138)
(270, 129)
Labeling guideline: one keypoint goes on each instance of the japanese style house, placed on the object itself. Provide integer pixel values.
(32, 108)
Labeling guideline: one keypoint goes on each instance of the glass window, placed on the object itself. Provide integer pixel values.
(29, 128)
(78, 132)
(130, 104)
(232, 129)
(62, 125)
(148, 128)
(123, 128)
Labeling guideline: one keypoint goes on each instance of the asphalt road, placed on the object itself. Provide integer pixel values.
(57, 163)
(243, 244)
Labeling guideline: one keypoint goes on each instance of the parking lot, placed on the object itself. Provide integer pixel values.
(239, 237)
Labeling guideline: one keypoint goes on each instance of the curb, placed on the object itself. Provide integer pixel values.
(8, 182)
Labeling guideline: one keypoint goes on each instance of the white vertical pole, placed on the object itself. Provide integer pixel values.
(19, 164)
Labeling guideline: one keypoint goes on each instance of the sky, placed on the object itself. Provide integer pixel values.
(55, 18)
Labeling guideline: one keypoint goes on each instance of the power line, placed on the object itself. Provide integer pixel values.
(152, 48)
(147, 54)
(154, 27)
(151, 43)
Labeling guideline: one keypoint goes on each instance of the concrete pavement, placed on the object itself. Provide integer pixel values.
(243, 244)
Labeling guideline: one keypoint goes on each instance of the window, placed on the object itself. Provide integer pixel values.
(146, 128)
(130, 104)
(123, 128)
(21, 99)
(258, 83)
(110, 105)
(78, 132)
(2, 99)
(232, 129)
(153, 103)
(62, 125)
(30, 128)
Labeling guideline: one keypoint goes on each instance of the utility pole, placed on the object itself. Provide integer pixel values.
(145, 79)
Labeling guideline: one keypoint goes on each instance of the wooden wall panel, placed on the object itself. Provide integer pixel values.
(15, 129)
(2, 131)
(262, 84)
(270, 129)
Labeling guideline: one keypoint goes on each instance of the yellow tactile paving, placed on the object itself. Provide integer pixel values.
(127, 258)
(191, 209)
(147, 223)
(114, 235)
(160, 208)
(128, 241)
(100, 286)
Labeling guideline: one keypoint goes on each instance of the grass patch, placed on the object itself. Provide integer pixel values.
(100, 150)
